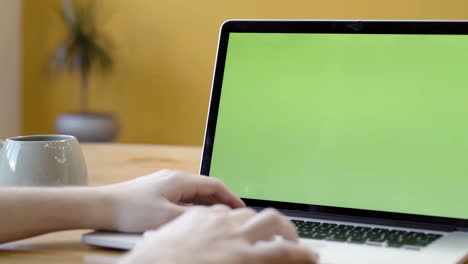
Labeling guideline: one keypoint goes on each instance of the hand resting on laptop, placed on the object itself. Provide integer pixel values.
(147, 202)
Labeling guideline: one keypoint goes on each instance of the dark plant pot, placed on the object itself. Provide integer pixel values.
(88, 127)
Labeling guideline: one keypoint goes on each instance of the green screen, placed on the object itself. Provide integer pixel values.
(376, 122)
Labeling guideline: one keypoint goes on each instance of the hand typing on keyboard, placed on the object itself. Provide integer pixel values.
(220, 235)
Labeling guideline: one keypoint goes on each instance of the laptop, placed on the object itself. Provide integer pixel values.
(357, 130)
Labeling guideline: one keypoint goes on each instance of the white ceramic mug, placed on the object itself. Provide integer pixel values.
(42, 160)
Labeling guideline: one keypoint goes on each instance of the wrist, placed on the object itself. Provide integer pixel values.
(98, 207)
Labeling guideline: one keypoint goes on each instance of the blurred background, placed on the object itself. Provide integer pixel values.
(162, 53)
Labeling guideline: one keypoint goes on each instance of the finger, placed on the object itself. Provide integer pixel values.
(284, 252)
(205, 200)
(209, 191)
(177, 210)
(268, 224)
(242, 215)
(220, 208)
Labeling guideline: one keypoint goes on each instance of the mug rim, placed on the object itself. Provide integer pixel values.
(52, 138)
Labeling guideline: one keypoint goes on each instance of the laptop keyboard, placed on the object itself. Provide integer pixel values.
(364, 235)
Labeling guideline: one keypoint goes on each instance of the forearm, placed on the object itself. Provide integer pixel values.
(26, 212)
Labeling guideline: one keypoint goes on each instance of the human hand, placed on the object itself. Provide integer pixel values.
(147, 202)
(219, 235)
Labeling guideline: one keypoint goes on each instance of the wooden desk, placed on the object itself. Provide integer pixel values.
(107, 163)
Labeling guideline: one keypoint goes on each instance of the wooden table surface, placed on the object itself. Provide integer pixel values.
(107, 163)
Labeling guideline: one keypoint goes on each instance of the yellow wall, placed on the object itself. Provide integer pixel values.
(164, 52)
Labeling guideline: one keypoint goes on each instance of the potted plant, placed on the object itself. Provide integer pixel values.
(83, 51)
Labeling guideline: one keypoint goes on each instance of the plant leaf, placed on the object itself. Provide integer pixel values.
(82, 50)
(68, 12)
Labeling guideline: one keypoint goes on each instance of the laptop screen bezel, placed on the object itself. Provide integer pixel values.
(320, 26)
